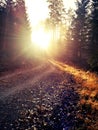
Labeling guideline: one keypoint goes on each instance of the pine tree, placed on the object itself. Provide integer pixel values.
(22, 30)
(6, 27)
(79, 28)
(94, 35)
(15, 27)
(22, 21)
(57, 16)
(2, 23)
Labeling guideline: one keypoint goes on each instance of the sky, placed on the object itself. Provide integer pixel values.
(38, 9)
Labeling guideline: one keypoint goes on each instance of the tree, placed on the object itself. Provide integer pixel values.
(94, 35)
(2, 24)
(79, 27)
(21, 24)
(15, 27)
(57, 11)
(57, 16)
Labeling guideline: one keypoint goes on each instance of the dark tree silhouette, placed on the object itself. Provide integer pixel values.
(93, 61)
(14, 29)
(6, 27)
(22, 27)
(2, 24)
(79, 28)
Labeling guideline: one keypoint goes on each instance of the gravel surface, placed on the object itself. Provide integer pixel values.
(42, 98)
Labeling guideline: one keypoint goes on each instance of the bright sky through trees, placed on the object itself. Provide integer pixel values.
(38, 9)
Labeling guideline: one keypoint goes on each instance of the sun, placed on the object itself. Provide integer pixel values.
(38, 12)
(41, 38)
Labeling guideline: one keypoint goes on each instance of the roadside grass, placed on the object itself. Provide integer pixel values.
(87, 80)
(88, 91)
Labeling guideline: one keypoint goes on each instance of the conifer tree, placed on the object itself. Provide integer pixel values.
(14, 26)
(2, 23)
(57, 16)
(93, 60)
(79, 28)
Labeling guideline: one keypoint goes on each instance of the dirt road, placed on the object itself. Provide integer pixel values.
(42, 98)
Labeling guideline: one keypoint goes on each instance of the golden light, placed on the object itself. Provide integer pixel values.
(41, 38)
(38, 12)
(88, 82)
(38, 9)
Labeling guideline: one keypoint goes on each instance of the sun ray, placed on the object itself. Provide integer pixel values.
(38, 11)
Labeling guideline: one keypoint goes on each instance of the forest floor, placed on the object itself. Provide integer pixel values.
(50, 96)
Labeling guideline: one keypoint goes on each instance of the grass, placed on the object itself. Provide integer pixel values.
(87, 80)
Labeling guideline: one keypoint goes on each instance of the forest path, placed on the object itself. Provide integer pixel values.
(50, 96)
(20, 79)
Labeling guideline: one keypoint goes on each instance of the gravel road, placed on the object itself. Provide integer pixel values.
(40, 98)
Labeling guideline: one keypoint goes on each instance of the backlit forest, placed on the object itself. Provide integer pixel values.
(74, 33)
